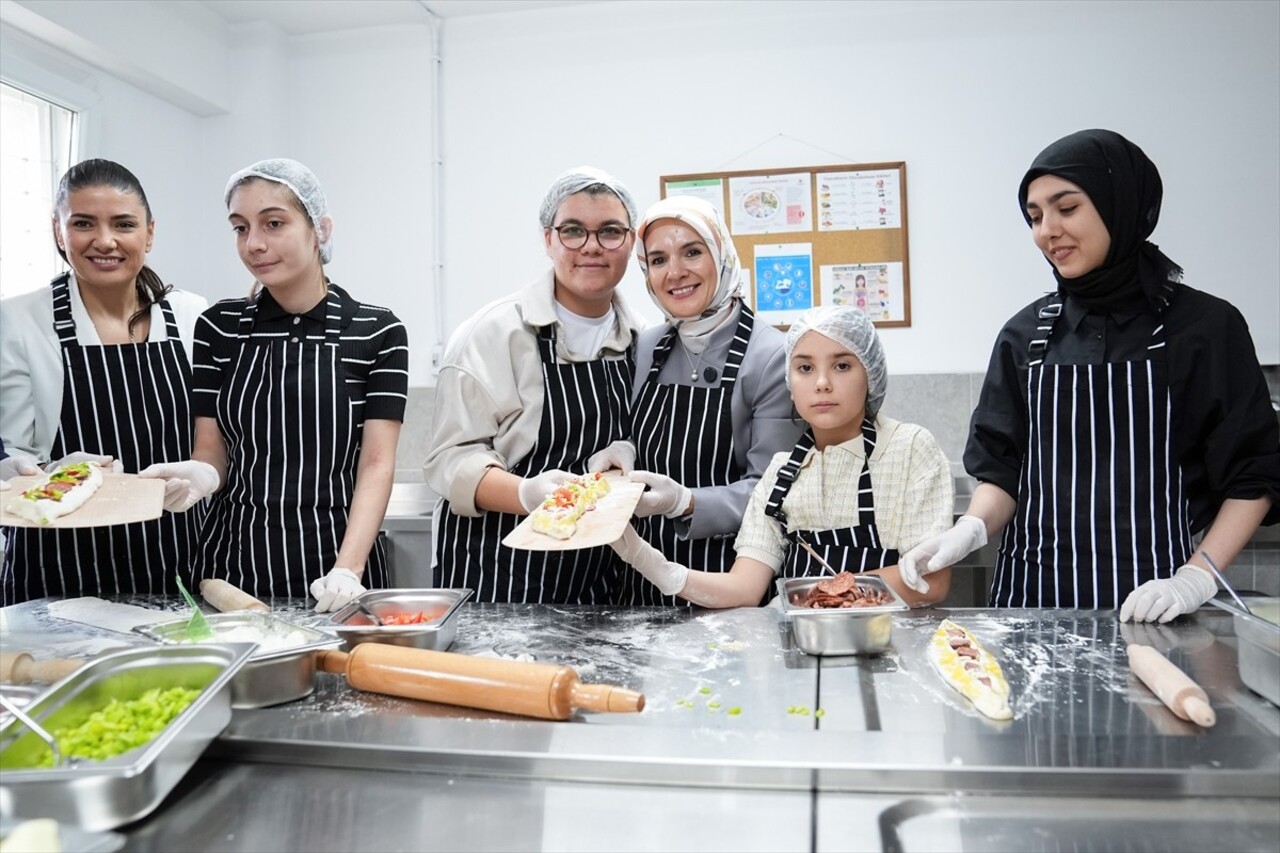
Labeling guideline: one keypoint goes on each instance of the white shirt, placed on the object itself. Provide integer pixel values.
(912, 490)
(31, 361)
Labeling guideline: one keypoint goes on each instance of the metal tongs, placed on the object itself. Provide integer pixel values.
(38, 729)
(821, 562)
(1223, 580)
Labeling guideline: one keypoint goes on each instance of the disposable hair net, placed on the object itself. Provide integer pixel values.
(703, 218)
(302, 182)
(853, 329)
(575, 181)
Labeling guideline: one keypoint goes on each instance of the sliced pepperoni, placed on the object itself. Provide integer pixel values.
(967, 652)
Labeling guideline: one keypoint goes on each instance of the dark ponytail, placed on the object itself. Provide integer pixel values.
(105, 173)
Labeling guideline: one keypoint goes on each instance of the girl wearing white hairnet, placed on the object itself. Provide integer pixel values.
(530, 387)
(710, 406)
(859, 488)
(300, 391)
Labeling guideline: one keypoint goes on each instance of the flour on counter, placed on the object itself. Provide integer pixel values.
(106, 614)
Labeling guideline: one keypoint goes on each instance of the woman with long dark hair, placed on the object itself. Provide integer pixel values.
(98, 366)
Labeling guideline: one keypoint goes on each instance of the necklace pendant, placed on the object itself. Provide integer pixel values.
(693, 377)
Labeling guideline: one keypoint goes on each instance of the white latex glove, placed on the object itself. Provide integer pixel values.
(663, 497)
(17, 466)
(938, 552)
(620, 454)
(336, 589)
(186, 483)
(668, 577)
(115, 466)
(1165, 598)
(534, 490)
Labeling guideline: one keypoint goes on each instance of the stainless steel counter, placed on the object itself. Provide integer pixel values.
(895, 761)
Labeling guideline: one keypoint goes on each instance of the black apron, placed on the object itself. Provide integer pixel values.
(292, 434)
(1101, 508)
(131, 402)
(685, 432)
(584, 409)
(846, 549)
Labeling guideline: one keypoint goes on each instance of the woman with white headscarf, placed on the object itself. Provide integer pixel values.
(709, 406)
(299, 394)
(858, 488)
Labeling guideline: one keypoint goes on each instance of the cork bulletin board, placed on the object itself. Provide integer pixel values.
(815, 235)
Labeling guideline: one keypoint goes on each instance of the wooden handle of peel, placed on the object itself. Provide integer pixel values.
(548, 691)
(227, 598)
(21, 668)
(1182, 695)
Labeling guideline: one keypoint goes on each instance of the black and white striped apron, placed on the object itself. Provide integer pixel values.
(846, 549)
(131, 402)
(292, 432)
(1101, 507)
(685, 432)
(584, 409)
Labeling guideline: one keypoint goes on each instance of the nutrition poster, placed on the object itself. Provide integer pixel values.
(874, 288)
(815, 235)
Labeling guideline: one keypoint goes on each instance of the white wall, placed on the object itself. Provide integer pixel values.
(965, 92)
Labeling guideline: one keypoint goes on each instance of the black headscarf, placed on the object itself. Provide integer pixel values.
(1125, 187)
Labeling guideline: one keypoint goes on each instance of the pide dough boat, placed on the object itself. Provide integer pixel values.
(964, 664)
(557, 516)
(60, 493)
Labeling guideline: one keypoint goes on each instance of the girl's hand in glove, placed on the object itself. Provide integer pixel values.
(668, 577)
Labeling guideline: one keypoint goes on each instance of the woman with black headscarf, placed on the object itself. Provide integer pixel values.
(1121, 414)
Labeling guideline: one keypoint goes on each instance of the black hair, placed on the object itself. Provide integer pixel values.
(105, 173)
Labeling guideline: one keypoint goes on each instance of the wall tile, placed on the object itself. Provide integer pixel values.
(411, 451)
(940, 402)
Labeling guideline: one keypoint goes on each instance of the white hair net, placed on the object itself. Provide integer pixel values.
(302, 182)
(575, 181)
(849, 326)
(703, 218)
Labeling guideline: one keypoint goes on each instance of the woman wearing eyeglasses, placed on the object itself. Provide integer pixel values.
(530, 388)
(710, 406)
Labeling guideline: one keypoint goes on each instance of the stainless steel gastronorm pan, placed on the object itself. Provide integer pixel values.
(847, 631)
(1259, 644)
(101, 795)
(354, 627)
(271, 677)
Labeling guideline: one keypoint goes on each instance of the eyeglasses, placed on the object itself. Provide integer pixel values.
(573, 236)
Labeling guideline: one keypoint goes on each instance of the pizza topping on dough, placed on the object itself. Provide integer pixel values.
(63, 491)
(968, 667)
(557, 516)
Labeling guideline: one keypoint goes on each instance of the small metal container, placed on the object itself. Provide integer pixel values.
(101, 795)
(354, 627)
(272, 676)
(841, 631)
(1259, 646)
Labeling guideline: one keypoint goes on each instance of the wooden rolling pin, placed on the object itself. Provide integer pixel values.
(227, 598)
(1183, 696)
(21, 668)
(512, 687)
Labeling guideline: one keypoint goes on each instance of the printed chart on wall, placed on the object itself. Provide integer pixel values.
(815, 235)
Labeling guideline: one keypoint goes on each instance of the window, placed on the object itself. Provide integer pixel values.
(37, 145)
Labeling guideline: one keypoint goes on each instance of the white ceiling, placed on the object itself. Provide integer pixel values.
(302, 17)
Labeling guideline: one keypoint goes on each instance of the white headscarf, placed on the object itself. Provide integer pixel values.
(703, 218)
